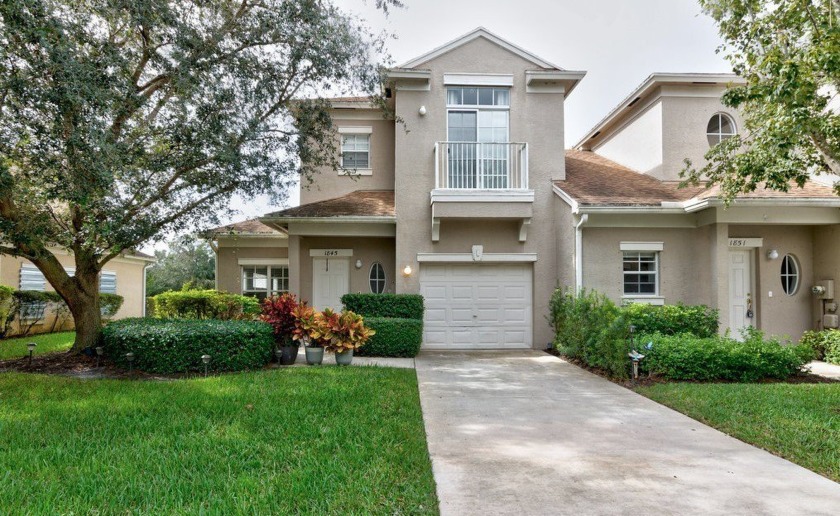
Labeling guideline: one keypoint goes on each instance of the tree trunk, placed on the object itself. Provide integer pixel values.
(87, 317)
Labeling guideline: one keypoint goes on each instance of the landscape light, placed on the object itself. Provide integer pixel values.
(31, 347)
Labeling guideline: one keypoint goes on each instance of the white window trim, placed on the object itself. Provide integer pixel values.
(797, 276)
(268, 291)
(643, 297)
(384, 279)
(486, 79)
(264, 261)
(720, 134)
(356, 131)
(642, 246)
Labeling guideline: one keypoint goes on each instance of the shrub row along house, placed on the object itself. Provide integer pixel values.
(470, 199)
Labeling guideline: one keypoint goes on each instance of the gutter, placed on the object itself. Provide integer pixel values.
(579, 252)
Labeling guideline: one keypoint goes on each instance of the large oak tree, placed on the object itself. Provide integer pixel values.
(788, 52)
(124, 120)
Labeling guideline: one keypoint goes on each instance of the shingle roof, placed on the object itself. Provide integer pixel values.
(594, 180)
(361, 203)
(250, 227)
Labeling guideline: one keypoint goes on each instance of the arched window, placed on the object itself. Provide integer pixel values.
(790, 274)
(377, 278)
(721, 126)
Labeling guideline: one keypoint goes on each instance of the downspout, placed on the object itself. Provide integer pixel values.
(579, 252)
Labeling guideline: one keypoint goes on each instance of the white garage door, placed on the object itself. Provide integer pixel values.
(477, 306)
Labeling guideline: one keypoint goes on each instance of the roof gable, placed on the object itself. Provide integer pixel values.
(480, 32)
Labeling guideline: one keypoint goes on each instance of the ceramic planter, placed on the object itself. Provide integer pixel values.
(314, 355)
(287, 355)
(344, 357)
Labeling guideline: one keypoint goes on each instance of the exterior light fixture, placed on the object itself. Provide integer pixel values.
(407, 271)
(358, 264)
(31, 347)
(130, 357)
(206, 360)
(99, 352)
(772, 254)
(422, 111)
(635, 357)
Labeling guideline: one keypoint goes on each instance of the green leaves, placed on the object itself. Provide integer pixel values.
(789, 55)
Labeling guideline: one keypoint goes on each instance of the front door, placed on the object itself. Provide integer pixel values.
(330, 281)
(741, 308)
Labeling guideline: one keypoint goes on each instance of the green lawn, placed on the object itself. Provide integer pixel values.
(298, 440)
(800, 422)
(47, 343)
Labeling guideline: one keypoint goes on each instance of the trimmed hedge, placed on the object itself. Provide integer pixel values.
(826, 344)
(176, 345)
(205, 304)
(687, 357)
(699, 320)
(401, 306)
(393, 338)
(5, 304)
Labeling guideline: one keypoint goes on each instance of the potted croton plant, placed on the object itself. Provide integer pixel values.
(279, 312)
(343, 333)
(307, 330)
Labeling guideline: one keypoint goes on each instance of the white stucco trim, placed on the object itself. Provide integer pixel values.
(263, 261)
(333, 220)
(355, 172)
(330, 253)
(567, 199)
(472, 79)
(648, 300)
(641, 246)
(468, 195)
(355, 130)
(468, 258)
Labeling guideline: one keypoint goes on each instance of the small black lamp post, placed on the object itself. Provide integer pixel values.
(206, 360)
(31, 347)
(99, 352)
(130, 357)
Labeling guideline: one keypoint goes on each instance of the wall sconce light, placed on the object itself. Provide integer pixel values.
(358, 264)
(772, 254)
(407, 271)
(422, 111)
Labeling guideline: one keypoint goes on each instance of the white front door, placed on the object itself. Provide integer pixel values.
(477, 306)
(330, 281)
(741, 309)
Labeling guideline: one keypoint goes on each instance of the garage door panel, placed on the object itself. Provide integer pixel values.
(477, 306)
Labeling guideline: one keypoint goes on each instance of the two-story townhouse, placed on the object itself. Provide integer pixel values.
(472, 201)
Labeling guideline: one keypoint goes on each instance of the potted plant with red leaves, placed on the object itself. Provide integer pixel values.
(279, 312)
(308, 330)
(344, 332)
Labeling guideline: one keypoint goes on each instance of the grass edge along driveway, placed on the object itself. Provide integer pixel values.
(298, 440)
(799, 422)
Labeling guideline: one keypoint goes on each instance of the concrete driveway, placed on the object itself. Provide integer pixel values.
(527, 433)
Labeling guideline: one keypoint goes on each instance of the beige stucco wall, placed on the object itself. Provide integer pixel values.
(535, 118)
(827, 254)
(685, 117)
(328, 183)
(637, 144)
(565, 222)
(229, 273)
(130, 275)
(368, 250)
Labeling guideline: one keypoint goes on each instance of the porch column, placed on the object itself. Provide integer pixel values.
(719, 260)
(294, 264)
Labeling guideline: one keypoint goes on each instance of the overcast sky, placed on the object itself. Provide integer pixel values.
(617, 42)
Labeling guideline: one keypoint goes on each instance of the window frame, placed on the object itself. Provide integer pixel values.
(383, 279)
(269, 277)
(790, 259)
(355, 134)
(655, 272)
(720, 135)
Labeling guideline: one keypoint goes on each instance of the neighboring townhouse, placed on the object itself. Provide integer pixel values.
(124, 275)
(472, 201)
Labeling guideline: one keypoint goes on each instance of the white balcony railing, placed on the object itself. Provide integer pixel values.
(481, 166)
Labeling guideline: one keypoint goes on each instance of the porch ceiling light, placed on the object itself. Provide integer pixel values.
(407, 271)
(772, 254)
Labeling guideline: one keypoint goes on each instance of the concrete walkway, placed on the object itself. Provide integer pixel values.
(825, 369)
(527, 433)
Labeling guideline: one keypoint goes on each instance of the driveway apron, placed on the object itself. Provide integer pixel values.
(523, 432)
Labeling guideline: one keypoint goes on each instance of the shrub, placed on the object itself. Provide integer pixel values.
(205, 304)
(342, 331)
(589, 327)
(176, 345)
(110, 304)
(826, 344)
(699, 320)
(279, 312)
(5, 304)
(404, 306)
(688, 357)
(394, 337)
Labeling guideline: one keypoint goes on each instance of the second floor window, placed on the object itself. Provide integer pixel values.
(355, 151)
(720, 127)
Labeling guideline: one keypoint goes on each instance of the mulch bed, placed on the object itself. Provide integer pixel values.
(646, 381)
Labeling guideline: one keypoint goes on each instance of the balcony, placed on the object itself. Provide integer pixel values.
(477, 180)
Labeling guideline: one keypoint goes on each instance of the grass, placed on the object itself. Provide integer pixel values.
(47, 343)
(298, 440)
(800, 422)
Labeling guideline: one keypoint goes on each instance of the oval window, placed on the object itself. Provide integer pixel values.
(720, 127)
(790, 274)
(377, 278)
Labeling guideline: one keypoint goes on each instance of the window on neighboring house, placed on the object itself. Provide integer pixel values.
(355, 151)
(641, 271)
(377, 278)
(108, 282)
(720, 127)
(262, 281)
(790, 274)
(31, 278)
